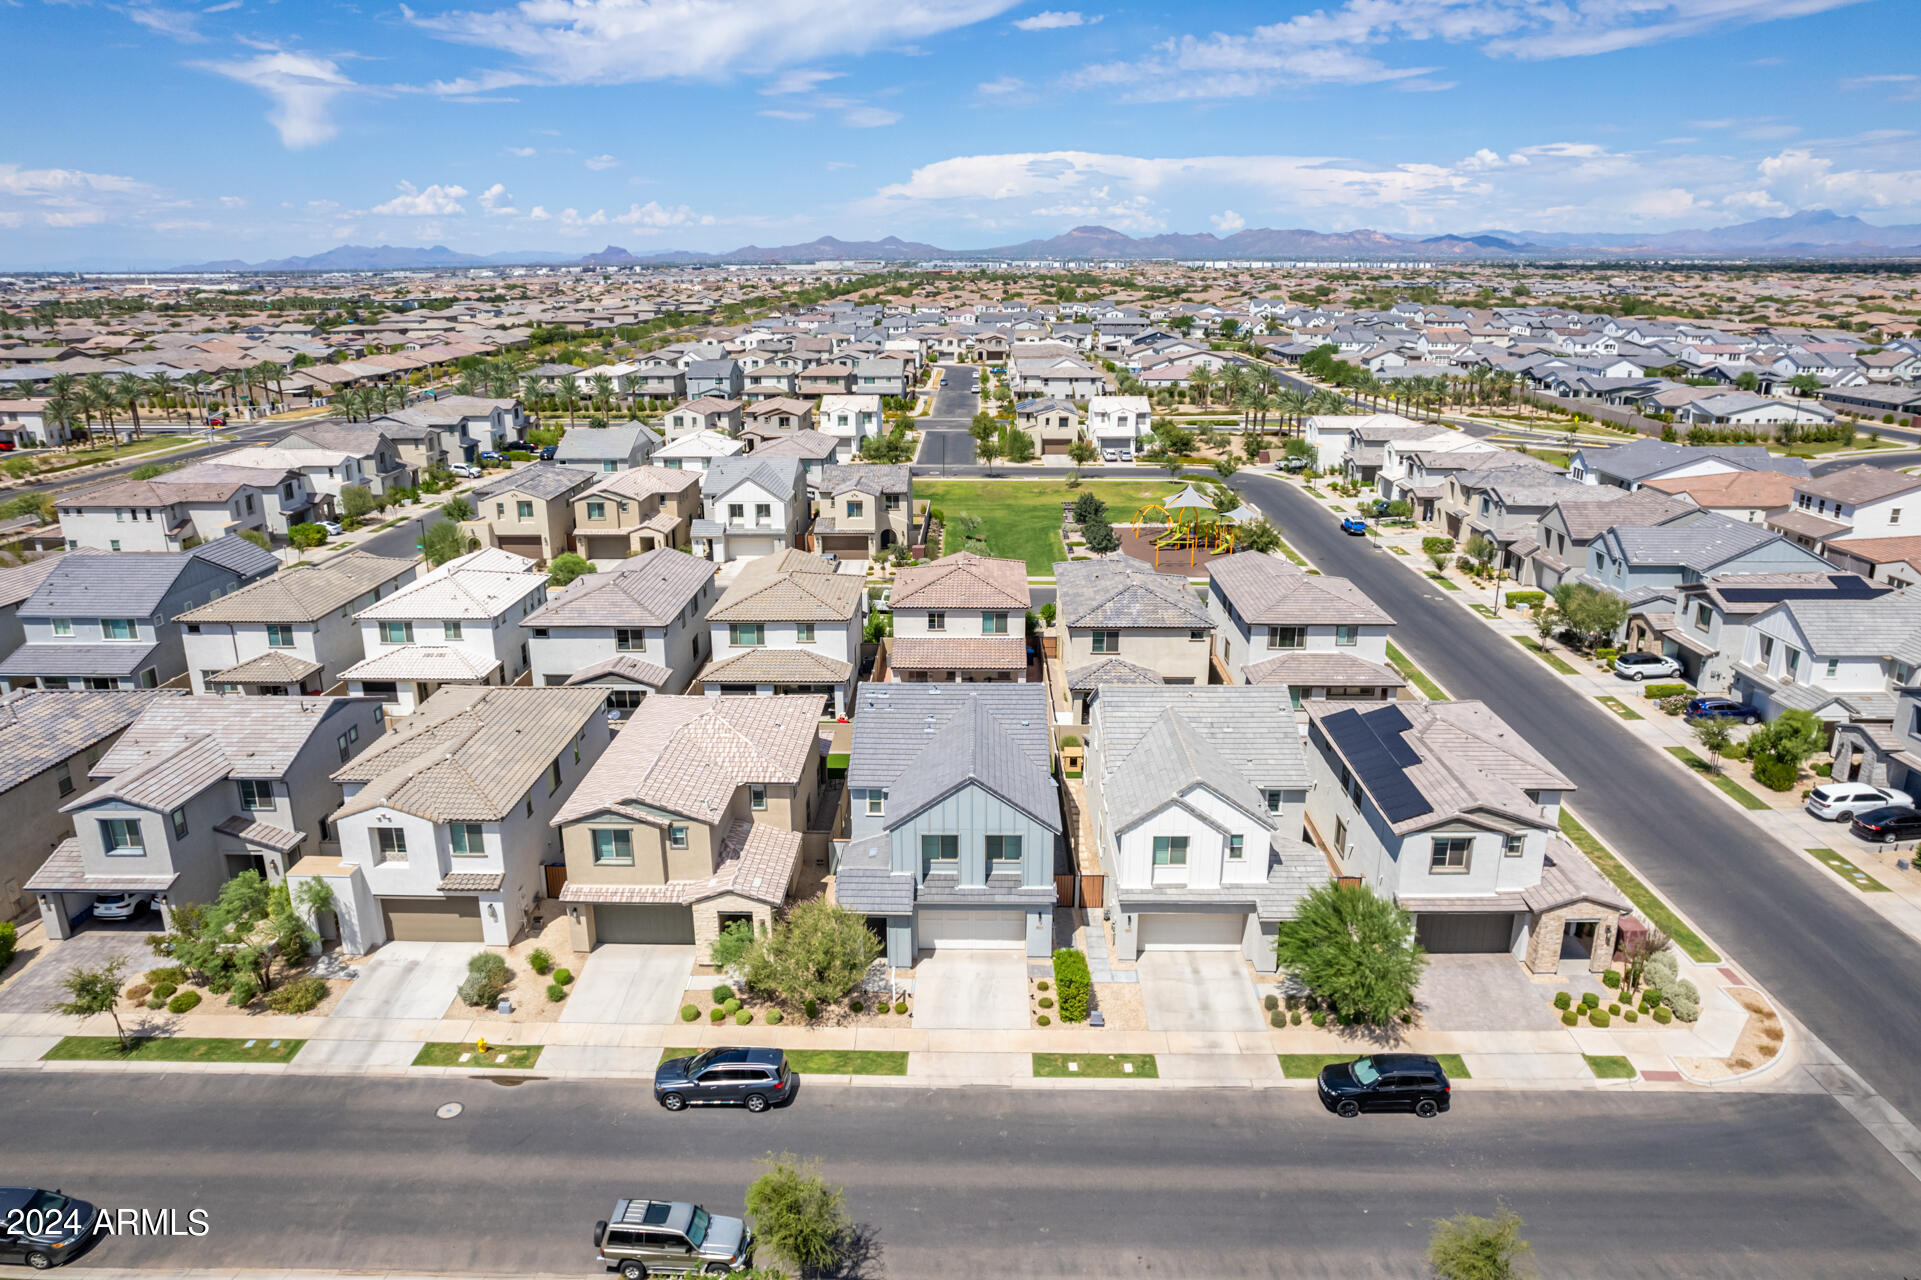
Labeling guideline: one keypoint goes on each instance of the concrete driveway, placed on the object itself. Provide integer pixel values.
(417, 980)
(971, 991)
(29, 990)
(1490, 993)
(630, 983)
(1198, 991)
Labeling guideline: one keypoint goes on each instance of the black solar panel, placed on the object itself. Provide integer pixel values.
(1376, 765)
(1388, 724)
(1836, 588)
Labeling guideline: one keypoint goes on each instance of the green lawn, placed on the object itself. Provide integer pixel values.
(1534, 647)
(173, 1049)
(1306, 1066)
(1022, 518)
(1728, 786)
(1444, 580)
(1619, 707)
(1098, 1066)
(828, 1062)
(1644, 899)
(1848, 871)
(1861, 441)
(441, 1053)
(1610, 1067)
(1414, 675)
(1484, 610)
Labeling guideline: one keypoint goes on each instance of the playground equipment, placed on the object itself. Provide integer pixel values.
(1187, 520)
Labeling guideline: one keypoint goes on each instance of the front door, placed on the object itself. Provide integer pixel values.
(1577, 939)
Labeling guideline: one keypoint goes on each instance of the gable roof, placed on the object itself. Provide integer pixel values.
(1640, 458)
(1266, 589)
(40, 728)
(604, 444)
(1586, 521)
(921, 741)
(963, 580)
(1155, 744)
(1120, 591)
(790, 586)
(302, 593)
(1862, 483)
(1767, 489)
(1699, 543)
(480, 584)
(543, 480)
(191, 741)
(131, 584)
(644, 590)
(867, 477)
(1885, 626)
(643, 482)
(778, 476)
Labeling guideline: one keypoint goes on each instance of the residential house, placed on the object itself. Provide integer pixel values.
(1855, 502)
(18, 583)
(1062, 376)
(108, 621)
(1894, 561)
(691, 821)
(816, 450)
(776, 418)
(198, 790)
(1842, 658)
(1052, 423)
(1567, 529)
(960, 618)
(177, 511)
(1698, 544)
(291, 633)
(1631, 465)
(446, 821)
(634, 511)
(1883, 755)
(1197, 803)
(1119, 422)
(1122, 623)
(1446, 809)
(638, 628)
(1316, 636)
(789, 624)
(834, 378)
(1703, 624)
(432, 432)
(607, 448)
(866, 509)
(750, 506)
(722, 379)
(954, 819)
(849, 418)
(1750, 496)
(701, 414)
(698, 451)
(381, 466)
(529, 511)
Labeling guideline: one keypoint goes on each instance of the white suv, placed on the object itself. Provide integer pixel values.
(1639, 666)
(1839, 801)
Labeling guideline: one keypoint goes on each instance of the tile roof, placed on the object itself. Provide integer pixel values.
(1765, 489)
(1110, 671)
(131, 584)
(790, 586)
(471, 882)
(643, 482)
(626, 667)
(65, 871)
(689, 754)
(604, 444)
(1119, 591)
(778, 476)
(867, 477)
(1265, 589)
(260, 736)
(800, 444)
(39, 729)
(777, 667)
(1862, 483)
(303, 593)
(429, 662)
(1700, 543)
(920, 741)
(865, 879)
(756, 860)
(244, 828)
(1323, 668)
(543, 480)
(272, 667)
(1887, 626)
(469, 753)
(649, 589)
(19, 581)
(958, 653)
(480, 584)
(1155, 742)
(65, 658)
(964, 580)
(1586, 521)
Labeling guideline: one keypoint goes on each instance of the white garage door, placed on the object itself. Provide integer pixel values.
(742, 548)
(997, 930)
(1191, 931)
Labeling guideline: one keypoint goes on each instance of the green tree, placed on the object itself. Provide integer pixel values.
(733, 944)
(1088, 506)
(797, 1217)
(93, 991)
(1482, 551)
(1259, 536)
(989, 450)
(1589, 611)
(258, 537)
(307, 535)
(356, 504)
(457, 509)
(1355, 950)
(441, 543)
(1715, 735)
(1017, 445)
(1466, 1247)
(1082, 452)
(566, 567)
(817, 951)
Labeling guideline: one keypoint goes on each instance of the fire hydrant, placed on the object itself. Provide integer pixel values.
(480, 1045)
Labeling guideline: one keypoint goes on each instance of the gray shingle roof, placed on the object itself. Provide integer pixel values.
(1701, 543)
(543, 480)
(1153, 742)
(920, 741)
(1888, 626)
(70, 659)
(1644, 457)
(131, 584)
(1860, 484)
(875, 478)
(865, 881)
(1321, 668)
(604, 444)
(779, 476)
(260, 736)
(40, 729)
(1120, 591)
(645, 590)
(1586, 520)
(22, 580)
(1265, 589)
(778, 667)
(1110, 671)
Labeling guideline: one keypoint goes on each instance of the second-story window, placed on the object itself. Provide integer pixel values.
(1347, 635)
(63, 775)
(993, 624)
(63, 626)
(630, 639)
(613, 847)
(596, 511)
(763, 512)
(121, 838)
(1170, 851)
(1105, 641)
(677, 836)
(118, 629)
(876, 803)
(256, 793)
(553, 776)
(1451, 854)
(757, 797)
(279, 636)
(1287, 637)
(855, 509)
(1514, 844)
(736, 512)
(803, 633)
(450, 630)
(389, 845)
(746, 635)
(467, 839)
(937, 621)
(1236, 848)
(396, 632)
(524, 510)
(1003, 850)
(178, 818)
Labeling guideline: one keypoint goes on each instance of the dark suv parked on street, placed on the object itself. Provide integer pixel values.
(751, 1078)
(1385, 1082)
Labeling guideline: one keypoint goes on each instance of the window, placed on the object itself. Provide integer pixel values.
(1834, 667)
(553, 776)
(450, 630)
(1701, 617)
(63, 775)
(613, 847)
(179, 820)
(117, 629)
(1170, 851)
(677, 836)
(756, 797)
(1197, 635)
(1106, 641)
(396, 632)
(1003, 849)
(746, 635)
(121, 837)
(762, 513)
(937, 621)
(500, 510)
(345, 748)
(114, 544)
(1236, 848)
(1514, 845)
(1287, 637)
(256, 793)
(1790, 660)
(736, 512)
(1450, 853)
(876, 803)
(855, 509)
(630, 639)
(803, 633)
(1347, 635)
(63, 626)
(1767, 650)
(993, 624)
(940, 848)
(466, 840)
(390, 845)
(596, 511)
(524, 510)
(279, 636)
(1273, 797)
(1340, 837)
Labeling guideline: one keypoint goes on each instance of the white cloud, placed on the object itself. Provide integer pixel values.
(1802, 180)
(435, 201)
(800, 80)
(497, 202)
(654, 216)
(73, 197)
(1487, 158)
(622, 41)
(1055, 19)
(840, 164)
(1004, 87)
(775, 113)
(869, 117)
(598, 163)
(538, 214)
(233, 202)
(179, 24)
(303, 88)
(522, 152)
(1227, 222)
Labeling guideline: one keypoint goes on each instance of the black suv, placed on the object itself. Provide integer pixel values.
(1385, 1082)
(751, 1078)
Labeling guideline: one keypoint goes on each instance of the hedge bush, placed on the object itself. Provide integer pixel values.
(742, 1017)
(1775, 774)
(1044, 1020)
(1614, 1010)
(1598, 1018)
(1043, 984)
(1516, 599)
(186, 1001)
(299, 996)
(1663, 1016)
(1632, 1016)
(1277, 1018)
(1569, 1017)
(1271, 1003)
(540, 960)
(1685, 1000)
(811, 1009)
(555, 992)
(722, 993)
(486, 976)
(1047, 1002)
(1320, 1018)
(1562, 999)
(689, 1012)
(564, 977)
(1294, 1018)
(138, 992)
(1666, 689)
(1075, 983)
(857, 1006)
(9, 942)
(242, 992)
(1589, 999)
(717, 1016)
(165, 990)
(1662, 971)
(1611, 978)
(900, 1006)
(773, 1017)
(175, 974)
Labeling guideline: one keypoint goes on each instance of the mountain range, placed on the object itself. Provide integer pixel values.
(1817, 233)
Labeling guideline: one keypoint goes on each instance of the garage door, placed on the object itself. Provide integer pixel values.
(996, 930)
(1451, 934)
(529, 547)
(431, 919)
(665, 925)
(1192, 931)
(740, 548)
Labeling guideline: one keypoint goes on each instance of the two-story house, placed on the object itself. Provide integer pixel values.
(698, 450)
(1566, 530)
(722, 378)
(198, 790)
(1121, 622)
(705, 413)
(1197, 802)
(960, 618)
(381, 467)
(691, 821)
(291, 633)
(638, 628)
(107, 621)
(607, 448)
(830, 378)
(880, 376)
(176, 511)
(461, 427)
(18, 583)
(1446, 809)
(1052, 423)
(954, 819)
(459, 624)
(1703, 625)
(1855, 502)
(750, 506)
(1631, 465)
(1883, 755)
(1118, 423)
(816, 450)
(634, 511)
(1843, 658)
(866, 509)
(1317, 636)
(1697, 545)
(789, 624)
(849, 418)
(774, 418)
(529, 511)
(446, 821)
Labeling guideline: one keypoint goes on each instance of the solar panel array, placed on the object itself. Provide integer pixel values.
(1380, 758)
(1838, 587)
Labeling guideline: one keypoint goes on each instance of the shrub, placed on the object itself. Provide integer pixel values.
(486, 975)
(1590, 999)
(1665, 689)
(1277, 1018)
(1632, 1016)
(541, 961)
(1355, 950)
(1611, 978)
(717, 1015)
(1606, 655)
(1562, 999)
(1662, 971)
(742, 1017)
(731, 1006)
(138, 991)
(242, 994)
(1294, 1018)
(175, 974)
(733, 944)
(689, 1012)
(1614, 1009)
(1044, 1020)
(564, 977)
(1531, 599)
(555, 992)
(1663, 1016)
(187, 1000)
(9, 941)
(900, 1006)
(1569, 1017)
(1271, 1002)
(1319, 1018)
(811, 1009)
(1042, 984)
(1774, 773)
(817, 951)
(165, 990)
(773, 1017)
(722, 993)
(857, 1006)
(1685, 1000)
(1673, 706)
(1599, 1018)
(1076, 985)
(156, 1003)
(1047, 1002)
(299, 996)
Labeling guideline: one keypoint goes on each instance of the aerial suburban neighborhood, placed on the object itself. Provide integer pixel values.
(1121, 750)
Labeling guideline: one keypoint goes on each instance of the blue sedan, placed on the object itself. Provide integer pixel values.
(1354, 525)
(1722, 709)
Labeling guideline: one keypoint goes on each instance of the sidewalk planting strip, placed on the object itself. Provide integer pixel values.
(827, 1062)
(1848, 871)
(1306, 1066)
(1097, 1066)
(1414, 675)
(507, 1057)
(1610, 1067)
(1728, 786)
(1293, 555)
(1534, 647)
(1640, 895)
(1619, 707)
(172, 1049)
(1443, 580)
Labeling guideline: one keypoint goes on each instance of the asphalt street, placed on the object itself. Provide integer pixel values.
(359, 1174)
(1841, 969)
(237, 436)
(944, 439)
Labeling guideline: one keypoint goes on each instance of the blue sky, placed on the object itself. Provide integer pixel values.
(158, 131)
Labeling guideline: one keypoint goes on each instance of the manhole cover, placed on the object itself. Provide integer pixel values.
(449, 1110)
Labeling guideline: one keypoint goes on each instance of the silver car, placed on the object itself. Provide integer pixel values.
(651, 1237)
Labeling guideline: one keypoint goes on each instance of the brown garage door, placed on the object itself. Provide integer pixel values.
(529, 547)
(1468, 932)
(655, 924)
(431, 919)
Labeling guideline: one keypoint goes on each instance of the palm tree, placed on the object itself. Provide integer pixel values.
(61, 411)
(98, 396)
(603, 389)
(530, 393)
(269, 373)
(1202, 380)
(128, 391)
(467, 383)
(160, 391)
(1293, 403)
(233, 385)
(348, 401)
(196, 384)
(569, 392)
